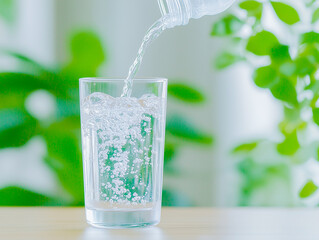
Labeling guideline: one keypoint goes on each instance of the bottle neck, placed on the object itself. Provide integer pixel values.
(178, 12)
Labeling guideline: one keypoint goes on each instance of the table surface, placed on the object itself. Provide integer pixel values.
(177, 223)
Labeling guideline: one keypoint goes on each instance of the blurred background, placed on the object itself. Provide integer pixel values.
(243, 111)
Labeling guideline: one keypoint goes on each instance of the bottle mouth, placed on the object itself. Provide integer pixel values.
(177, 12)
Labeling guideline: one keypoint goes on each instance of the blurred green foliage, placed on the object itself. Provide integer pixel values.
(285, 63)
(286, 13)
(309, 189)
(11, 196)
(61, 132)
(8, 10)
(185, 93)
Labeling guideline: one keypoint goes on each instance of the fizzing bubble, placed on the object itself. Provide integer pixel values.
(120, 133)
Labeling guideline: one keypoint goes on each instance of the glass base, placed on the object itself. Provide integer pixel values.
(123, 218)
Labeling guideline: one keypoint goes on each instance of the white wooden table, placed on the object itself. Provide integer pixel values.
(177, 223)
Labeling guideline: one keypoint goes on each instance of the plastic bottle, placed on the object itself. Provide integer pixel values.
(179, 12)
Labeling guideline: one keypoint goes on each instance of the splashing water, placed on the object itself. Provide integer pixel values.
(153, 33)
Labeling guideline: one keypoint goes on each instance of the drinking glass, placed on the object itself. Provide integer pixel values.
(123, 151)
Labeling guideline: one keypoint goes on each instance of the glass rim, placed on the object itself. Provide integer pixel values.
(145, 80)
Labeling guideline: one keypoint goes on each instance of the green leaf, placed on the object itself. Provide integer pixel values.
(315, 16)
(15, 196)
(290, 145)
(280, 53)
(309, 51)
(87, 53)
(7, 10)
(227, 59)
(315, 112)
(86, 48)
(170, 152)
(285, 91)
(24, 59)
(307, 60)
(20, 85)
(29, 66)
(20, 82)
(185, 93)
(227, 25)
(310, 37)
(246, 147)
(304, 67)
(309, 189)
(286, 13)
(181, 128)
(252, 7)
(64, 158)
(262, 43)
(17, 127)
(265, 77)
(35, 76)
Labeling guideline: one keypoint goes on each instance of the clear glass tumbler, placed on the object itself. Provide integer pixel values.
(123, 151)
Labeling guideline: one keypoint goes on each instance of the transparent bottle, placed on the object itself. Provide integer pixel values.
(179, 12)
